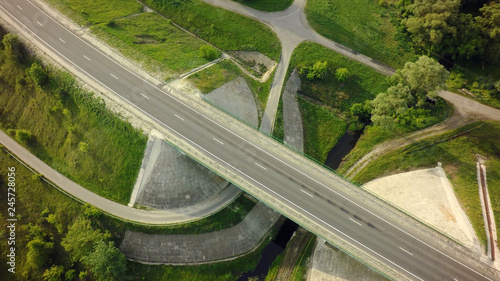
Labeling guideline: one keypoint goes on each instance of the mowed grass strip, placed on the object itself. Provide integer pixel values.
(227, 30)
(322, 129)
(362, 25)
(457, 151)
(91, 12)
(156, 37)
(266, 5)
(362, 84)
(71, 131)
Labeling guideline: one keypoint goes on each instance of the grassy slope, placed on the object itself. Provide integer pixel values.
(363, 83)
(458, 158)
(359, 24)
(156, 38)
(224, 29)
(267, 5)
(96, 11)
(322, 129)
(59, 122)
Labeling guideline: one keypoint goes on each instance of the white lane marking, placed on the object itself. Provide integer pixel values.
(179, 117)
(141, 93)
(455, 279)
(113, 76)
(19, 8)
(62, 40)
(206, 117)
(355, 221)
(39, 23)
(406, 251)
(306, 192)
(261, 166)
(216, 141)
(86, 57)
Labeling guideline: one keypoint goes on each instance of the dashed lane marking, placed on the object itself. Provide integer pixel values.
(306, 192)
(406, 251)
(114, 76)
(218, 141)
(141, 93)
(179, 117)
(62, 41)
(261, 166)
(354, 221)
(86, 57)
(19, 8)
(39, 23)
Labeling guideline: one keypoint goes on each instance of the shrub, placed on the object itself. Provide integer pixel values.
(23, 136)
(37, 73)
(317, 71)
(83, 147)
(208, 52)
(341, 74)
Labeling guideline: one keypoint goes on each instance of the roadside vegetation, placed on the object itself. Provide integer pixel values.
(157, 39)
(457, 151)
(58, 237)
(267, 5)
(226, 30)
(65, 126)
(362, 25)
(90, 12)
(322, 129)
(225, 71)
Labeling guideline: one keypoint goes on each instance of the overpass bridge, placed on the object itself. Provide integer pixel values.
(314, 197)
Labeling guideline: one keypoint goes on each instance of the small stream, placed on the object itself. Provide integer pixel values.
(277, 246)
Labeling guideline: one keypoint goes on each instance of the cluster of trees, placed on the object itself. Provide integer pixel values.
(405, 101)
(87, 246)
(452, 28)
(320, 70)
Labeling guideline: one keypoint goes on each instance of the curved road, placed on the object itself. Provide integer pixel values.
(324, 203)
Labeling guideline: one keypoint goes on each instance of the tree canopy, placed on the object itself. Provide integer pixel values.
(81, 237)
(106, 262)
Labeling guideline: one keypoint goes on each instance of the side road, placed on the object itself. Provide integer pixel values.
(173, 216)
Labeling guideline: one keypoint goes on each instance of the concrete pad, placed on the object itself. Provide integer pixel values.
(237, 99)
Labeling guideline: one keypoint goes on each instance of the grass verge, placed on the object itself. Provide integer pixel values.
(457, 151)
(304, 263)
(156, 38)
(362, 25)
(266, 5)
(96, 11)
(322, 129)
(227, 30)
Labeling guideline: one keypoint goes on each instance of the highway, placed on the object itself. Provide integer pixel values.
(322, 203)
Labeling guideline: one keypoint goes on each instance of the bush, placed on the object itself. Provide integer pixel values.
(317, 71)
(341, 74)
(208, 52)
(37, 73)
(23, 136)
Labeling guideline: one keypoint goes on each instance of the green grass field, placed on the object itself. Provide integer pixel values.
(457, 151)
(156, 38)
(219, 74)
(322, 129)
(266, 5)
(226, 30)
(362, 84)
(362, 25)
(63, 119)
(96, 11)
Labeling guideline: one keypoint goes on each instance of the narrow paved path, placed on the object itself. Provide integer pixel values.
(174, 216)
(292, 28)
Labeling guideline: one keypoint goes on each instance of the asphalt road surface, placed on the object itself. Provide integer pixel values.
(324, 202)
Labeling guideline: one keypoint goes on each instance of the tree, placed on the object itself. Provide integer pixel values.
(432, 23)
(106, 262)
(424, 78)
(54, 273)
(38, 256)
(38, 75)
(81, 238)
(387, 106)
(23, 136)
(489, 25)
(12, 47)
(341, 74)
